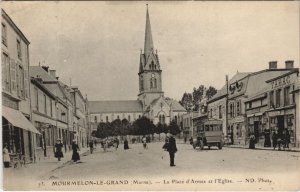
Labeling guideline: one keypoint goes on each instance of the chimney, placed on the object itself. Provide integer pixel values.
(289, 64)
(273, 65)
(45, 68)
(53, 73)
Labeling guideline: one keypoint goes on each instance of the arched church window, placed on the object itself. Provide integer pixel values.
(106, 118)
(128, 117)
(142, 83)
(155, 84)
(151, 83)
(163, 119)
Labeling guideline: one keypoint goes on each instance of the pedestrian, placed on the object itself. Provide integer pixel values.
(6, 157)
(252, 141)
(91, 145)
(75, 148)
(172, 149)
(165, 146)
(144, 141)
(185, 139)
(267, 142)
(58, 149)
(117, 142)
(126, 144)
(287, 138)
(191, 140)
(274, 139)
(231, 136)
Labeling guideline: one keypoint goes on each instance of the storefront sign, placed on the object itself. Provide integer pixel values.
(281, 82)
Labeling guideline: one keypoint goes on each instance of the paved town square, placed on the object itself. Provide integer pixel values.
(147, 166)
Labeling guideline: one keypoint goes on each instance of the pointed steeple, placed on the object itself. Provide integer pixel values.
(148, 46)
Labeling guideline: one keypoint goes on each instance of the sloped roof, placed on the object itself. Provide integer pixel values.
(221, 92)
(35, 71)
(115, 106)
(257, 81)
(175, 105)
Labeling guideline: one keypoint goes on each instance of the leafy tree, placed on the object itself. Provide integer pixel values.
(211, 91)
(103, 130)
(174, 128)
(126, 128)
(116, 126)
(187, 101)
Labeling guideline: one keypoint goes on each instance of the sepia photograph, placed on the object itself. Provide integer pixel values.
(150, 96)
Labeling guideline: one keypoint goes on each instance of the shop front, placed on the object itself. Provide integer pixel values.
(18, 133)
(283, 119)
(257, 125)
(237, 130)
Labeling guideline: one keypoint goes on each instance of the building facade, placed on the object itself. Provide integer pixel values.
(18, 131)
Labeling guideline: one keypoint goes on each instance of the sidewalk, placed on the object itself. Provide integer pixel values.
(35, 171)
(292, 149)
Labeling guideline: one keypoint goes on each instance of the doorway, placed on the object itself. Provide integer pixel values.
(256, 131)
(280, 125)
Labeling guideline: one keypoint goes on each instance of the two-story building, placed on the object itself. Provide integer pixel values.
(282, 110)
(17, 130)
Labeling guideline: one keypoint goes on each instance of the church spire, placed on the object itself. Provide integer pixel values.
(148, 46)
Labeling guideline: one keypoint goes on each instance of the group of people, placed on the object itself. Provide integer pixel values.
(59, 154)
(279, 140)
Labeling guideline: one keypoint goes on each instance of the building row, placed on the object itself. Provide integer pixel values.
(252, 103)
(37, 108)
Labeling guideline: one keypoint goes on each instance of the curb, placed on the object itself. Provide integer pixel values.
(237, 147)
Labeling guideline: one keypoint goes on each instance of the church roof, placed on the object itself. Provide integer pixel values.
(175, 105)
(129, 106)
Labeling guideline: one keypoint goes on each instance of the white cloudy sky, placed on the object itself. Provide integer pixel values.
(97, 44)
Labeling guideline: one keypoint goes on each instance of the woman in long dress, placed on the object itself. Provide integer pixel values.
(58, 150)
(75, 148)
(6, 157)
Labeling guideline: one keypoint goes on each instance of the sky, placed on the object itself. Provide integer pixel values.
(96, 45)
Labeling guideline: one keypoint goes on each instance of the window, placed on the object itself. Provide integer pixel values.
(20, 82)
(175, 118)
(211, 113)
(162, 119)
(5, 72)
(19, 49)
(220, 112)
(153, 82)
(286, 96)
(128, 117)
(51, 110)
(238, 107)
(142, 83)
(278, 93)
(272, 104)
(4, 34)
(36, 95)
(106, 118)
(95, 119)
(118, 117)
(231, 110)
(45, 104)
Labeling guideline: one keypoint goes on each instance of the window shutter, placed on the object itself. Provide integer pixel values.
(13, 75)
(26, 82)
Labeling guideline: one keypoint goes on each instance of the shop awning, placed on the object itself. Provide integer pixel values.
(17, 119)
(213, 122)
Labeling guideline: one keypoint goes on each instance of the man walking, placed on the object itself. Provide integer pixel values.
(172, 149)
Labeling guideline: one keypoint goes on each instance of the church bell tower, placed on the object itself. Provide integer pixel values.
(150, 83)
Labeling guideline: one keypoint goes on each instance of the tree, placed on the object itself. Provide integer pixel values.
(159, 129)
(211, 91)
(126, 127)
(174, 128)
(103, 130)
(143, 126)
(116, 126)
(197, 96)
(187, 101)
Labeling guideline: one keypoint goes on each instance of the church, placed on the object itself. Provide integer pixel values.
(151, 101)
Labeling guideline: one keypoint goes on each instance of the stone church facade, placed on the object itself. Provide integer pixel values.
(151, 101)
